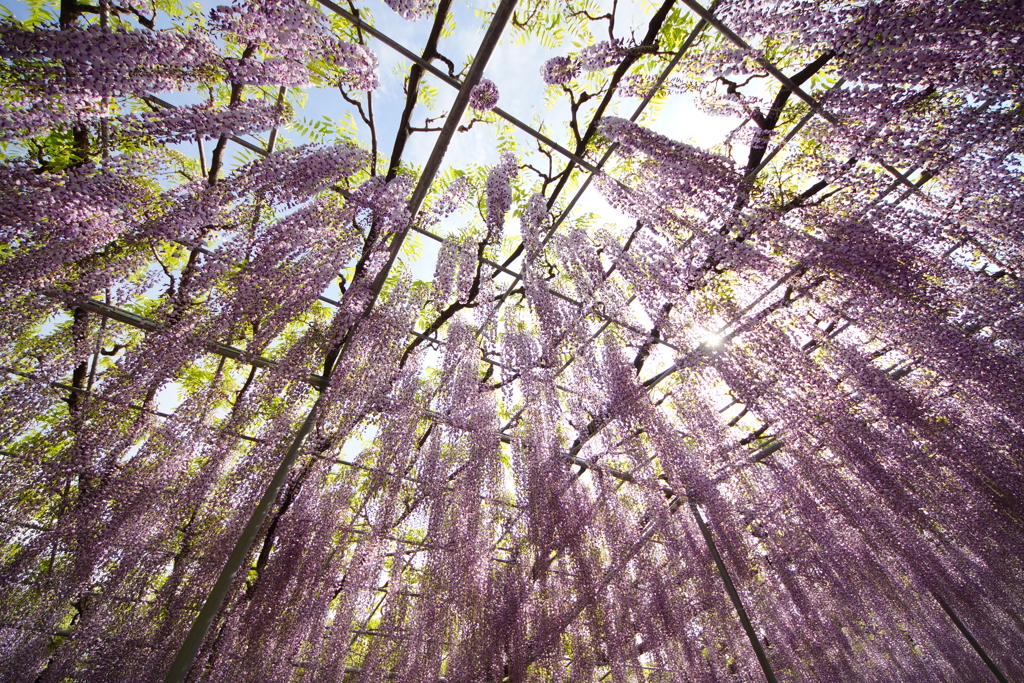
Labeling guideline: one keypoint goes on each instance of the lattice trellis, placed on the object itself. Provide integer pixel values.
(764, 422)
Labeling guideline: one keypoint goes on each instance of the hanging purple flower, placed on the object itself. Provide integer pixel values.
(201, 121)
(559, 70)
(294, 34)
(484, 95)
(413, 10)
(499, 195)
(602, 55)
(360, 65)
(94, 62)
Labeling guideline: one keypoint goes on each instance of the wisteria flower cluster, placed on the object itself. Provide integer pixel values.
(498, 191)
(602, 55)
(559, 70)
(295, 34)
(484, 95)
(288, 27)
(91, 61)
(28, 116)
(201, 122)
(675, 172)
(450, 200)
(413, 10)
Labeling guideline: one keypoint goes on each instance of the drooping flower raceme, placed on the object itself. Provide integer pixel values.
(413, 10)
(287, 177)
(270, 71)
(602, 55)
(499, 195)
(49, 220)
(559, 70)
(360, 65)
(672, 175)
(288, 27)
(201, 122)
(77, 61)
(26, 116)
(294, 34)
(447, 202)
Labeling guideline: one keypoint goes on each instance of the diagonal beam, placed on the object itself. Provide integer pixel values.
(148, 325)
(960, 626)
(734, 596)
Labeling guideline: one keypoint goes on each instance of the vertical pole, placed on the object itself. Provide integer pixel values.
(730, 588)
(201, 626)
